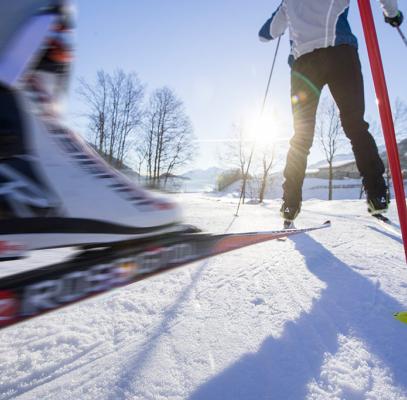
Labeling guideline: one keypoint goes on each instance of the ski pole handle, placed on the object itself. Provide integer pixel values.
(403, 37)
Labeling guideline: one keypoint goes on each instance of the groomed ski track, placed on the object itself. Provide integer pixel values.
(308, 318)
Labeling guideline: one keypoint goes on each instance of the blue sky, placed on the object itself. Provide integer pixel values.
(209, 53)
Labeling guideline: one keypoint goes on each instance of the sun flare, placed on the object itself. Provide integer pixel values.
(264, 130)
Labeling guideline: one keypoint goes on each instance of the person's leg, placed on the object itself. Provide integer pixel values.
(306, 85)
(346, 85)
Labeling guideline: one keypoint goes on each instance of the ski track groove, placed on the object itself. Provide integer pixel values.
(112, 353)
(29, 383)
(27, 341)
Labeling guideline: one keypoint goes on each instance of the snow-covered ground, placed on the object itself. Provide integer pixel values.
(308, 318)
(313, 188)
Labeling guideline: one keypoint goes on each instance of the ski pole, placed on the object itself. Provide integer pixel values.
(386, 117)
(246, 174)
(403, 37)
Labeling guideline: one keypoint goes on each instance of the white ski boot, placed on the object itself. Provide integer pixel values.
(55, 190)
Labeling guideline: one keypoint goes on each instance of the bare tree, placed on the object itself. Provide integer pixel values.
(236, 156)
(329, 131)
(168, 136)
(114, 112)
(268, 159)
(96, 97)
(243, 161)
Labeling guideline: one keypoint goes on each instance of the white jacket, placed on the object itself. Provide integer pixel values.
(315, 24)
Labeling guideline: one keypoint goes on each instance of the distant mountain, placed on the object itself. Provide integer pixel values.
(209, 174)
(201, 180)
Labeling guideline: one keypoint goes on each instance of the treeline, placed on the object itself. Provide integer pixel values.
(154, 135)
(251, 162)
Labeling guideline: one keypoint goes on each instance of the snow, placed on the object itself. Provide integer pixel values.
(307, 318)
(313, 188)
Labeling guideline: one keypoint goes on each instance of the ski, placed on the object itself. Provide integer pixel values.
(387, 224)
(95, 271)
(382, 218)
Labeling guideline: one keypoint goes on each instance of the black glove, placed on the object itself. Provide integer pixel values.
(395, 21)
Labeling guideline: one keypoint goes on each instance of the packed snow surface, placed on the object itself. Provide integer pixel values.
(307, 318)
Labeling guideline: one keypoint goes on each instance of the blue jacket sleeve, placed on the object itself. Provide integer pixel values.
(274, 26)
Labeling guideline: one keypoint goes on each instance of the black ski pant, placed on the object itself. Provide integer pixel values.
(339, 68)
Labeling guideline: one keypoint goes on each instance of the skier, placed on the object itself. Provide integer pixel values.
(54, 189)
(324, 52)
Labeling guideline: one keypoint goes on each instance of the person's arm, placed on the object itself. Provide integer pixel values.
(274, 26)
(392, 15)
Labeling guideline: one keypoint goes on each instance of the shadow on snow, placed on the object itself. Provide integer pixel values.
(350, 304)
(388, 234)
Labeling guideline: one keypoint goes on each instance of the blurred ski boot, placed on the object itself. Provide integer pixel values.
(55, 190)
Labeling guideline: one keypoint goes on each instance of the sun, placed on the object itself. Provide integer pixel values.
(264, 130)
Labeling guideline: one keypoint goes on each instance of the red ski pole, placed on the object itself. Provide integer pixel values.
(386, 117)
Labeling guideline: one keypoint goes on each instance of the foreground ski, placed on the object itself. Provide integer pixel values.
(32, 293)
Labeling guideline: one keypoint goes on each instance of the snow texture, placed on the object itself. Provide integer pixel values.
(307, 318)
